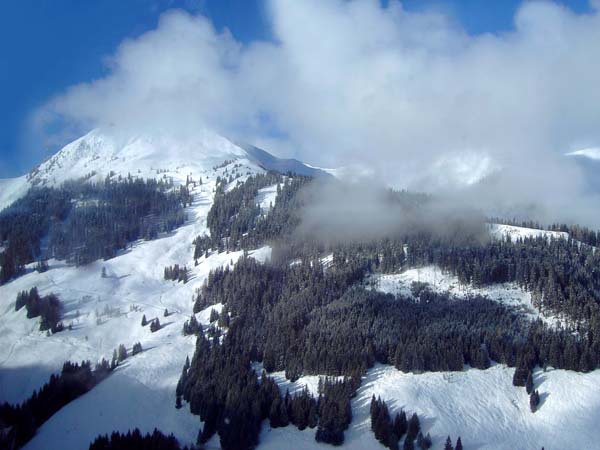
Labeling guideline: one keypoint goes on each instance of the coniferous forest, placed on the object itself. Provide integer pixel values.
(135, 440)
(86, 221)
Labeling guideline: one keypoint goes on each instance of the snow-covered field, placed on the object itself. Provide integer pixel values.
(481, 406)
(439, 281)
(508, 294)
(11, 189)
(501, 231)
(266, 198)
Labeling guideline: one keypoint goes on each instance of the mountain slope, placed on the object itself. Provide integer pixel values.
(480, 405)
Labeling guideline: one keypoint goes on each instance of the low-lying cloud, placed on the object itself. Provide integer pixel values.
(411, 95)
(335, 212)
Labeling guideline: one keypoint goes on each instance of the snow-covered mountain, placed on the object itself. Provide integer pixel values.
(106, 311)
(105, 151)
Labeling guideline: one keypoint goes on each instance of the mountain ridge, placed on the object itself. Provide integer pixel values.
(103, 152)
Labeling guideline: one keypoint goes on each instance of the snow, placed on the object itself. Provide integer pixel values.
(481, 406)
(438, 281)
(508, 294)
(310, 382)
(327, 261)
(204, 315)
(501, 231)
(147, 156)
(266, 198)
(12, 189)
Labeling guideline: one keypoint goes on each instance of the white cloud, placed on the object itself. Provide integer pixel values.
(350, 82)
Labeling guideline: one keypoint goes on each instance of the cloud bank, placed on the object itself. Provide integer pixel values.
(411, 95)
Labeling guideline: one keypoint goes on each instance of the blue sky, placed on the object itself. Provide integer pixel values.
(48, 45)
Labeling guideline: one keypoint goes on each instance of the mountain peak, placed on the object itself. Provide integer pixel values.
(115, 151)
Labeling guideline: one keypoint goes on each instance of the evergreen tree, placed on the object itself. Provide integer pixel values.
(214, 316)
(114, 360)
(448, 445)
(458, 445)
(144, 320)
(427, 443)
(520, 376)
(137, 348)
(155, 325)
(400, 424)
(414, 426)
(534, 401)
(529, 383)
(122, 353)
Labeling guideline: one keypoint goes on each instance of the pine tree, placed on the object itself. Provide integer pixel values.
(114, 361)
(408, 444)
(400, 424)
(313, 418)
(420, 440)
(534, 400)
(122, 353)
(529, 383)
(520, 376)
(144, 320)
(414, 426)
(448, 444)
(166, 313)
(458, 445)
(155, 325)
(427, 443)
